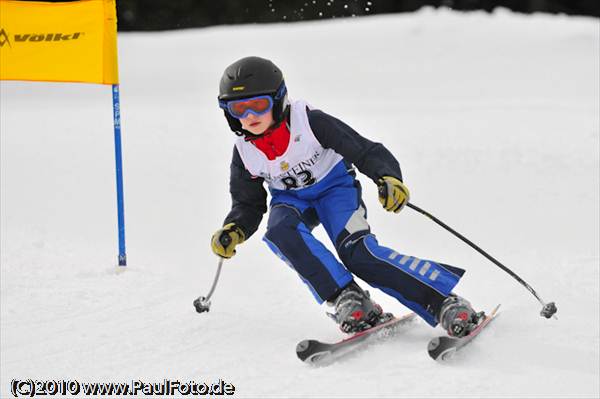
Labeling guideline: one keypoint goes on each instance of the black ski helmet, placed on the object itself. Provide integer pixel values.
(253, 76)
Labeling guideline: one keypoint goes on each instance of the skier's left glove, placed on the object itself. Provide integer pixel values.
(393, 194)
(224, 240)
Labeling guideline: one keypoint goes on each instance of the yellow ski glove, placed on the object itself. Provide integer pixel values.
(224, 240)
(393, 194)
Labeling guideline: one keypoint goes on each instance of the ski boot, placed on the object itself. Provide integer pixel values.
(457, 316)
(355, 311)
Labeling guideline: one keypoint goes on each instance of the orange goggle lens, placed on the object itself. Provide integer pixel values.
(257, 105)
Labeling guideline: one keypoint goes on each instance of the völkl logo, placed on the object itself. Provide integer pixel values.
(38, 37)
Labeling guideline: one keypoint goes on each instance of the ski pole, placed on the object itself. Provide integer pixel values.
(548, 309)
(202, 303)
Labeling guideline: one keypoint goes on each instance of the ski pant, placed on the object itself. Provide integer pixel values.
(421, 285)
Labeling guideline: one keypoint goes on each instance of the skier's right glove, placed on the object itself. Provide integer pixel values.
(224, 240)
(393, 194)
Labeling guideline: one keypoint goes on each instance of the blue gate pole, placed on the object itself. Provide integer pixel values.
(119, 170)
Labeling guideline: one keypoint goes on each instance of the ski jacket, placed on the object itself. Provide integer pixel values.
(316, 143)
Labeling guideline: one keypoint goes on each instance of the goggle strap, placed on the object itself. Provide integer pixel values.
(281, 91)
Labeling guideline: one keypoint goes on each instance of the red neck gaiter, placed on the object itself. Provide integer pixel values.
(273, 142)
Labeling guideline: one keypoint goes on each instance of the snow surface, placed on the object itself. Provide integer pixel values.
(494, 119)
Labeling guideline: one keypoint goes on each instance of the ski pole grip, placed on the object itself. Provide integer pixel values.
(225, 240)
(382, 190)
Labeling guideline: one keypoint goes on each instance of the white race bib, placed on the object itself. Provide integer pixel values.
(304, 163)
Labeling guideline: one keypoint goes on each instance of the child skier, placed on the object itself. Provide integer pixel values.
(306, 157)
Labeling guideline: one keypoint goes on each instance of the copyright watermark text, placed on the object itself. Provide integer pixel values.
(31, 388)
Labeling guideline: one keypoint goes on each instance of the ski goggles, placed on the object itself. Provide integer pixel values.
(240, 109)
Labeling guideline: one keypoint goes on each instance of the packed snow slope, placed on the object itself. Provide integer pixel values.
(494, 119)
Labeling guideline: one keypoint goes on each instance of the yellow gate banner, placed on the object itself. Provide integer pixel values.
(61, 42)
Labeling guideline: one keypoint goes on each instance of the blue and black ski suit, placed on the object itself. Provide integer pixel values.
(301, 200)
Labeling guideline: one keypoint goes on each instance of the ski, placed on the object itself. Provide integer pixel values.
(443, 348)
(320, 353)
